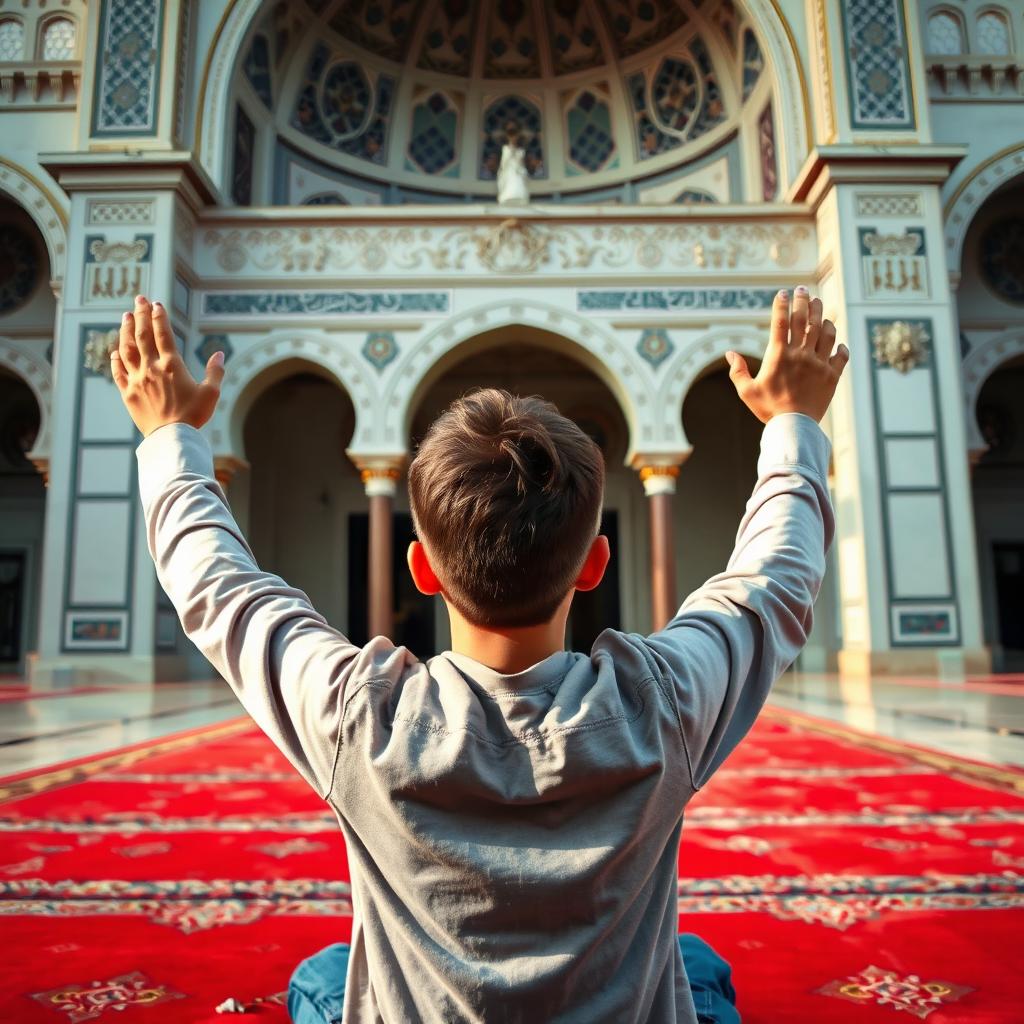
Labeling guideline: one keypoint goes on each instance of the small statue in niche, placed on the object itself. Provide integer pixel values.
(513, 180)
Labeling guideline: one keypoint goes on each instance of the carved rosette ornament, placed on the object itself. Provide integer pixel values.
(97, 349)
(900, 345)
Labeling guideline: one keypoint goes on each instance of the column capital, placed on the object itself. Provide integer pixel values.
(658, 479)
(380, 473)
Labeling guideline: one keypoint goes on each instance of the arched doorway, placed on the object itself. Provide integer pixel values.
(990, 306)
(301, 489)
(712, 491)
(997, 490)
(22, 512)
(716, 480)
(530, 361)
(27, 312)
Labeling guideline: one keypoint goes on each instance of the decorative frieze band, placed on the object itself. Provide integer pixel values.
(339, 303)
(511, 246)
(614, 300)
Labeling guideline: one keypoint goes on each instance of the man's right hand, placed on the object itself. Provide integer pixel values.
(798, 373)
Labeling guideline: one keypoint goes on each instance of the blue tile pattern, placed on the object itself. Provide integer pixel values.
(655, 346)
(590, 133)
(127, 87)
(682, 102)
(345, 107)
(612, 300)
(434, 135)
(380, 348)
(332, 303)
(877, 64)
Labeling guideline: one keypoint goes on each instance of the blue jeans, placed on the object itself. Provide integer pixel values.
(316, 993)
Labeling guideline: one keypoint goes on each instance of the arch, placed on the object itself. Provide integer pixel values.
(970, 196)
(19, 23)
(592, 345)
(985, 43)
(38, 376)
(281, 354)
(981, 362)
(689, 365)
(39, 203)
(937, 37)
(789, 87)
(51, 21)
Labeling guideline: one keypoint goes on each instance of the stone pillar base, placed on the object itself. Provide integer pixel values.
(940, 662)
(65, 671)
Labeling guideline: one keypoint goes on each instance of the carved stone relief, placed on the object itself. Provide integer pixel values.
(511, 246)
(900, 345)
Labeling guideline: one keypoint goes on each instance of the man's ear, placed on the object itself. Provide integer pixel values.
(422, 573)
(597, 561)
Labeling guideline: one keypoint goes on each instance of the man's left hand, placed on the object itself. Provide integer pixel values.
(151, 376)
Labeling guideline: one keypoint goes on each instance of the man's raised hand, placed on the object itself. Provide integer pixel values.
(151, 376)
(799, 372)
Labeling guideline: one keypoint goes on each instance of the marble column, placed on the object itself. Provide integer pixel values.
(660, 486)
(381, 484)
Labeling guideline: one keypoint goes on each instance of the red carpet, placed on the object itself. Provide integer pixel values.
(847, 878)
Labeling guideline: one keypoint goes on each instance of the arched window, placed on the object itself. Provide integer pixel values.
(993, 33)
(12, 40)
(59, 40)
(945, 34)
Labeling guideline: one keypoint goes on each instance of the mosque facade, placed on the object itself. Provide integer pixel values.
(310, 186)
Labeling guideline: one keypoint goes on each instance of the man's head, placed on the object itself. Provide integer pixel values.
(506, 496)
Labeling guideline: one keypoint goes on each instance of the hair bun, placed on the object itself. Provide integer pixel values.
(532, 455)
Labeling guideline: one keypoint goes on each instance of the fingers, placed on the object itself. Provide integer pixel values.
(780, 321)
(144, 329)
(826, 339)
(163, 336)
(739, 372)
(117, 370)
(214, 371)
(812, 332)
(840, 359)
(798, 318)
(126, 347)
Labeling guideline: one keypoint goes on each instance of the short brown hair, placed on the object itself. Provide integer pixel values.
(506, 495)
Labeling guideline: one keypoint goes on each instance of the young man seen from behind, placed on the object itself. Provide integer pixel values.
(511, 811)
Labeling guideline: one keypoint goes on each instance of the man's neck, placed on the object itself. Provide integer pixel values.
(508, 650)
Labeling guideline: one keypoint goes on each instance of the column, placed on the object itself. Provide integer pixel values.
(381, 482)
(660, 485)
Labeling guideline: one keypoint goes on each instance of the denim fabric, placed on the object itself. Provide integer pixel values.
(316, 993)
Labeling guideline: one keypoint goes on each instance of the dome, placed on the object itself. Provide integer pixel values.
(411, 100)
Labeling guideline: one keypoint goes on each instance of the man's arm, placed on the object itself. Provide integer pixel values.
(284, 662)
(732, 638)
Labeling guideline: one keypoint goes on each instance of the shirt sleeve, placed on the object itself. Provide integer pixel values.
(284, 662)
(732, 638)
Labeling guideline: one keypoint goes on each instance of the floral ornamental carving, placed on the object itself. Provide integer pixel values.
(512, 247)
(906, 244)
(97, 349)
(900, 345)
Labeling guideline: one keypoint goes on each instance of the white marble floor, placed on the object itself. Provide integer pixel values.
(44, 729)
(982, 719)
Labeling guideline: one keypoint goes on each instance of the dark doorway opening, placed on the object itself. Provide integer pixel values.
(12, 597)
(1009, 575)
(414, 613)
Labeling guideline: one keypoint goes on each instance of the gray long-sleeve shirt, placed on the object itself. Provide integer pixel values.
(512, 839)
